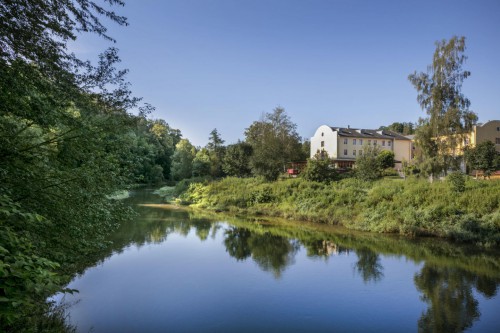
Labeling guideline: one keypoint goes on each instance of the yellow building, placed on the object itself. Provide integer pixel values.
(489, 131)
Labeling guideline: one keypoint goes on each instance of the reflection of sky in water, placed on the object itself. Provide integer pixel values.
(188, 279)
(187, 285)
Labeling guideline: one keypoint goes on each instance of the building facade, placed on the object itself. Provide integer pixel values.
(489, 131)
(344, 145)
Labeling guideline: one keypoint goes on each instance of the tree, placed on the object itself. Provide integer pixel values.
(236, 161)
(275, 142)
(439, 94)
(201, 163)
(216, 151)
(182, 161)
(368, 165)
(319, 169)
(163, 138)
(38, 31)
(483, 157)
(401, 128)
(385, 159)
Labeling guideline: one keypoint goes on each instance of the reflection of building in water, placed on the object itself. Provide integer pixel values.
(328, 248)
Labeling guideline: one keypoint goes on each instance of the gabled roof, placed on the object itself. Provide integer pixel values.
(368, 133)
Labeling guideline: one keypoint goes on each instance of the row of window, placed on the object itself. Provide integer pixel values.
(353, 152)
(360, 142)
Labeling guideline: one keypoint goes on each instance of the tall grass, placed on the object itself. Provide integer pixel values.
(411, 207)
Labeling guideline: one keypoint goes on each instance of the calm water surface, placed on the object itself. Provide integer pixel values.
(176, 271)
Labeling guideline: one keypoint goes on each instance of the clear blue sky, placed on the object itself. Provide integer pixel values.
(221, 64)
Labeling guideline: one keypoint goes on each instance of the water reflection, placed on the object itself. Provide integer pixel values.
(323, 249)
(368, 265)
(450, 278)
(449, 293)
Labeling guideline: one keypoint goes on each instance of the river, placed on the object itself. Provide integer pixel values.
(172, 270)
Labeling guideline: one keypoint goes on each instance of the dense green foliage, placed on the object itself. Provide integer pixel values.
(182, 161)
(320, 169)
(401, 128)
(67, 143)
(483, 157)
(216, 152)
(411, 207)
(370, 165)
(457, 181)
(275, 143)
(236, 160)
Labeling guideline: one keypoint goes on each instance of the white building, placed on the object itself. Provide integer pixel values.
(344, 145)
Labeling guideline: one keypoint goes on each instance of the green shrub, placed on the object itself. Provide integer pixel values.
(457, 181)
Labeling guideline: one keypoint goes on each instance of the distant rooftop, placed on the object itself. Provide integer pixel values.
(368, 133)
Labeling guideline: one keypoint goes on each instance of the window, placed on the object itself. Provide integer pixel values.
(497, 141)
(498, 129)
(389, 143)
(360, 141)
(354, 142)
(345, 152)
(322, 143)
(345, 141)
(354, 152)
(374, 142)
(322, 134)
(360, 152)
(383, 143)
(369, 142)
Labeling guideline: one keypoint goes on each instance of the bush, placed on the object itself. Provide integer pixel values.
(319, 169)
(457, 181)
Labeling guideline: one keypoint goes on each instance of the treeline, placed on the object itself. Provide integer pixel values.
(270, 144)
(68, 141)
(404, 128)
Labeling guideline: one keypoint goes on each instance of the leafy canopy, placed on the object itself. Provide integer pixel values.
(440, 96)
(275, 142)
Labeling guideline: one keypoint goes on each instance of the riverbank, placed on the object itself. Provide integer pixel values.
(409, 207)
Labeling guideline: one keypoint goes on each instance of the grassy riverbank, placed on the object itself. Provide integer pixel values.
(411, 207)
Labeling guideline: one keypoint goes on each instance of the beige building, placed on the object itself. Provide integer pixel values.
(344, 145)
(489, 131)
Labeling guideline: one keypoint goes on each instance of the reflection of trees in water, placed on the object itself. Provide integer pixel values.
(368, 265)
(273, 253)
(236, 242)
(270, 252)
(448, 291)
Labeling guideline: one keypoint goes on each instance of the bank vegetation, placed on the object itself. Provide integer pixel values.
(412, 207)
